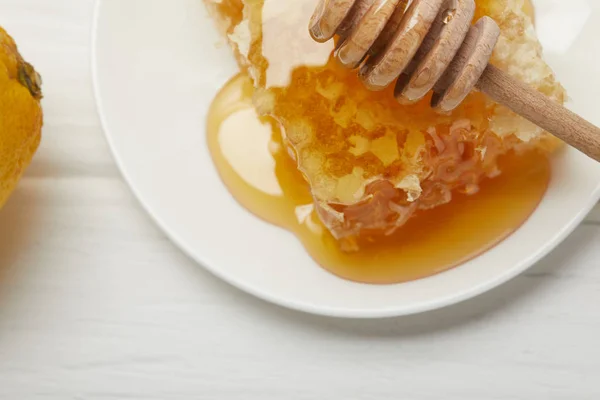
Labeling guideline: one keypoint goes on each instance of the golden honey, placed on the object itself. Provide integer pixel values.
(265, 180)
(377, 192)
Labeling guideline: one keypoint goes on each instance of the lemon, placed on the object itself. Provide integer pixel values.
(21, 115)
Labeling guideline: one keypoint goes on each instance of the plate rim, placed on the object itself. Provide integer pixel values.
(326, 311)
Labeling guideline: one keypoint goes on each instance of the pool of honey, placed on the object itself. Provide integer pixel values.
(253, 164)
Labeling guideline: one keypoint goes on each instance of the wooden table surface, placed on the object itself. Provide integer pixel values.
(96, 303)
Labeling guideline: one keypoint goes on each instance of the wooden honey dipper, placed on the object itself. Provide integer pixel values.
(431, 45)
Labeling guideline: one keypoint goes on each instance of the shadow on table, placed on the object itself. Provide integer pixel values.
(17, 222)
(458, 316)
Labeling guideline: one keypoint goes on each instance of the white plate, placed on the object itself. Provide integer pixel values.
(156, 69)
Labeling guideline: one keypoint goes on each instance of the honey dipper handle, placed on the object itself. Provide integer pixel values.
(542, 111)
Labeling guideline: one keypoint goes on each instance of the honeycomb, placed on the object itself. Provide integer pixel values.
(372, 163)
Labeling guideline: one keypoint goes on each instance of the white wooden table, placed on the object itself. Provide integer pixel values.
(95, 302)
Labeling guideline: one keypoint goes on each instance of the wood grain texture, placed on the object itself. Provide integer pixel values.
(96, 304)
(437, 52)
(541, 110)
(468, 65)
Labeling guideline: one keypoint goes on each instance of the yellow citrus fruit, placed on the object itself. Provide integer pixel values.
(20, 114)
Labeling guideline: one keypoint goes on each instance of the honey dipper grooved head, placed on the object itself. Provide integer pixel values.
(429, 45)
(328, 18)
(468, 65)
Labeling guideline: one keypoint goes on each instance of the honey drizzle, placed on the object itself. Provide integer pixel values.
(265, 180)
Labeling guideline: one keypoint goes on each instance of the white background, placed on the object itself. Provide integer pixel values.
(95, 302)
